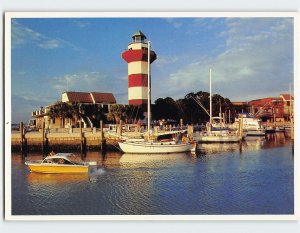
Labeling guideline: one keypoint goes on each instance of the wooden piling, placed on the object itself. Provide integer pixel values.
(190, 131)
(181, 123)
(241, 131)
(292, 127)
(81, 137)
(119, 129)
(43, 137)
(102, 139)
(101, 130)
(21, 128)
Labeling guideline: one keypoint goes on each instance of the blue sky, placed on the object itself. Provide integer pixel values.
(250, 57)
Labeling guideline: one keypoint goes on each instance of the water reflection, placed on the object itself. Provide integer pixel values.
(214, 148)
(249, 144)
(254, 177)
(152, 159)
(56, 179)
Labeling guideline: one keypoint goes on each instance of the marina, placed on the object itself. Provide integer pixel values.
(227, 179)
(109, 133)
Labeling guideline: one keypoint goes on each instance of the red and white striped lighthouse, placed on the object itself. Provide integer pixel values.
(136, 56)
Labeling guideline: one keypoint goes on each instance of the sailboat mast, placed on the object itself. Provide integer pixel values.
(149, 90)
(210, 99)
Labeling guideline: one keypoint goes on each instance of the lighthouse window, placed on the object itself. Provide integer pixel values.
(138, 39)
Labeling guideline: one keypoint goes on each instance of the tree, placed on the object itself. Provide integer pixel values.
(60, 110)
(116, 113)
(133, 113)
(76, 112)
(94, 112)
(165, 109)
(189, 108)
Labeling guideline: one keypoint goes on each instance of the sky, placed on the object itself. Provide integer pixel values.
(250, 58)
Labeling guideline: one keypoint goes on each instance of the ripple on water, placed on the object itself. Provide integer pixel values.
(219, 180)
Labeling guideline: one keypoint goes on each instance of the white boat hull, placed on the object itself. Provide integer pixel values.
(256, 132)
(217, 138)
(154, 148)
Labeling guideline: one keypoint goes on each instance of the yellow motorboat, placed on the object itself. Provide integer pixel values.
(59, 163)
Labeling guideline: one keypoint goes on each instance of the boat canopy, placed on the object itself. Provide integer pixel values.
(60, 156)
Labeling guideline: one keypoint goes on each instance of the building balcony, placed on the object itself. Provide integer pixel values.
(39, 113)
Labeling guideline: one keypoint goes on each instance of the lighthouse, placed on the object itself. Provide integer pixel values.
(136, 56)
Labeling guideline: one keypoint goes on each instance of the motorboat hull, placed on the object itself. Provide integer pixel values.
(57, 168)
(154, 148)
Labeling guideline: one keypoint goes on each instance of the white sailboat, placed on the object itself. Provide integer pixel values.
(148, 146)
(212, 135)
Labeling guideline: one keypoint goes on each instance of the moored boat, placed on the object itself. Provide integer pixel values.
(59, 163)
(220, 138)
(154, 147)
(251, 125)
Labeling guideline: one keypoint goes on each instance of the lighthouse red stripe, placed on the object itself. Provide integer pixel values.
(137, 101)
(138, 55)
(138, 80)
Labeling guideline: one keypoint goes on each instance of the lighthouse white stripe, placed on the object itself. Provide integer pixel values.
(137, 67)
(137, 93)
(137, 46)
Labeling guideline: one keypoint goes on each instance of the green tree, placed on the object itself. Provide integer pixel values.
(60, 110)
(133, 113)
(116, 113)
(165, 109)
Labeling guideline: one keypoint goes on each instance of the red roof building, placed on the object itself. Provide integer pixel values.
(83, 98)
(88, 98)
(273, 108)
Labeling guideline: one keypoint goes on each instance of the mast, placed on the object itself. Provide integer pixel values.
(210, 99)
(149, 90)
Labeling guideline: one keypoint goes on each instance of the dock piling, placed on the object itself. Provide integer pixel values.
(43, 137)
(23, 143)
(82, 140)
(102, 139)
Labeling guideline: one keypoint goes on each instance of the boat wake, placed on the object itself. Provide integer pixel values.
(93, 177)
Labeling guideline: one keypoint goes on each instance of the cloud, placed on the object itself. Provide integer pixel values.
(87, 82)
(23, 106)
(174, 22)
(162, 61)
(81, 24)
(77, 81)
(257, 60)
(22, 35)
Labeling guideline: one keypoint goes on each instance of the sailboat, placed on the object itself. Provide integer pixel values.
(153, 147)
(212, 134)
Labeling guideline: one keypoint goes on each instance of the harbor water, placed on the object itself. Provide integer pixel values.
(254, 177)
